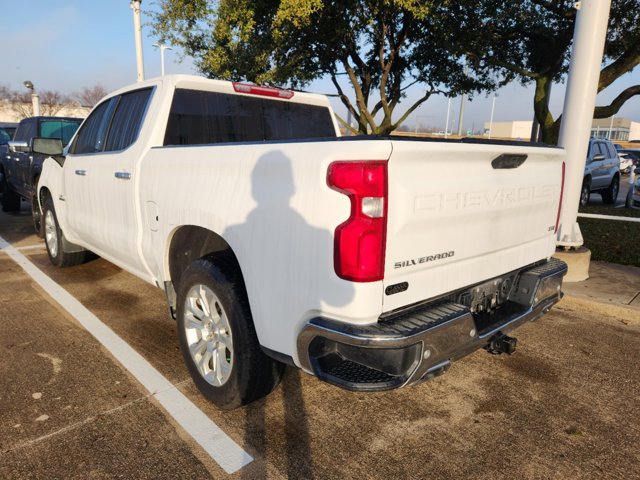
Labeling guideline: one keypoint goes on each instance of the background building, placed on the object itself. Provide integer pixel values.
(616, 129)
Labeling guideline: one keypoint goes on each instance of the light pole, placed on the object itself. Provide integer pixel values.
(580, 99)
(137, 31)
(162, 49)
(446, 123)
(611, 126)
(493, 107)
(35, 98)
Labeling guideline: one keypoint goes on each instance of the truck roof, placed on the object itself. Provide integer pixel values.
(223, 86)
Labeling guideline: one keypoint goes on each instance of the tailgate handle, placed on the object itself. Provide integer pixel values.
(508, 160)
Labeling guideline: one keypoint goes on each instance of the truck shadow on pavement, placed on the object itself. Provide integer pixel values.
(296, 436)
(282, 250)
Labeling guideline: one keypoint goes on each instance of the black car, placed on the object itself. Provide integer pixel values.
(20, 167)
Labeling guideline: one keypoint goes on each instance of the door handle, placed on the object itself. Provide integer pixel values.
(123, 175)
(82, 173)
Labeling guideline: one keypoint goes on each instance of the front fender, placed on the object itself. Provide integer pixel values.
(51, 183)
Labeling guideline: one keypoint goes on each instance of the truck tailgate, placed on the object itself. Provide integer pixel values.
(461, 213)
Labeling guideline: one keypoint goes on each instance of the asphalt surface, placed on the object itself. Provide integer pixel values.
(565, 405)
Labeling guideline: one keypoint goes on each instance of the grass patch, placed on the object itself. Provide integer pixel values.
(611, 240)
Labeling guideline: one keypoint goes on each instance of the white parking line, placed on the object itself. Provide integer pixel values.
(228, 454)
(610, 217)
(39, 246)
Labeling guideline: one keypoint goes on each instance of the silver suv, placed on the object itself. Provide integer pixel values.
(601, 172)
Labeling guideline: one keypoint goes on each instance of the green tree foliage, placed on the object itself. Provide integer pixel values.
(531, 41)
(378, 47)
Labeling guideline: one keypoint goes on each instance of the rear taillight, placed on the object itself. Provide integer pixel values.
(359, 244)
(560, 203)
(264, 91)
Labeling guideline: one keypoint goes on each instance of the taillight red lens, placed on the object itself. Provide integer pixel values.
(360, 242)
(560, 203)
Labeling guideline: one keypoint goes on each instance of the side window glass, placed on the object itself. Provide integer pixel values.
(598, 149)
(127, 119)
(612, 151)
(91, 136)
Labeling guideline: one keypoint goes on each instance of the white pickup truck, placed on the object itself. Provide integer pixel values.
(372, 263)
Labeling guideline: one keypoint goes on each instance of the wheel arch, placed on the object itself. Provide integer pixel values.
(189, 243)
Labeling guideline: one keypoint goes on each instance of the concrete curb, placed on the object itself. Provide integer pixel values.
(627, 315)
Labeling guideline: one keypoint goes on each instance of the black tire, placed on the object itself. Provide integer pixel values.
(54, 239)
(10, 199)
(585, 192)
(610, 194)
(228, 377)
(36, 214)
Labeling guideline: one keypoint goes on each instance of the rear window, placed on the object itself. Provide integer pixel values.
(199, 117)
(62, 129)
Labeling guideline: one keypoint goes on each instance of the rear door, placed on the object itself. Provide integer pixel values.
(600, 168)
(99, 176)
(460, 214)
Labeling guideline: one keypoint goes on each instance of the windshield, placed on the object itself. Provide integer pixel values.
(62, 129)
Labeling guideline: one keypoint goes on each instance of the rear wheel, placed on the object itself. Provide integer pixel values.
(585, 192)
(610, 195)
(217, 337)
(54, 240)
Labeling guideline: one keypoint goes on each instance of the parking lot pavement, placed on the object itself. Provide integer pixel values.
(562, 407)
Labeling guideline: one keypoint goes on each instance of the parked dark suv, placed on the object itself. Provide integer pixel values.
(20, 168)
(601, 172)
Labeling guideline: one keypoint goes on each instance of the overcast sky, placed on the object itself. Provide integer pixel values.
(70, 44)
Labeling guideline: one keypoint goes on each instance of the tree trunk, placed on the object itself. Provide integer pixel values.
(541, 98)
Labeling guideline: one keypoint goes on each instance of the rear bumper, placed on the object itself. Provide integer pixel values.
(420, 342)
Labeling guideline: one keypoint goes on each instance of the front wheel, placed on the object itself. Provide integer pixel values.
(36, 216)
(610, 195)
(54, 240)
(218, 339)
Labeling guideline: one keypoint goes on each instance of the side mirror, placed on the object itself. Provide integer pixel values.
(16, 147)
(47, 146)
(598, 157)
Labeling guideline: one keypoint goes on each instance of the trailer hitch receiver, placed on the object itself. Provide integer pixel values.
(501, 343)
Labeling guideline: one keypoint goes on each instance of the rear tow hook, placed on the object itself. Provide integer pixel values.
(501, 343)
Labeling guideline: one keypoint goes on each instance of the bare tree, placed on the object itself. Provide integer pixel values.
(51, 102)
(5, 92)
(20, 103)
(89, 96)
